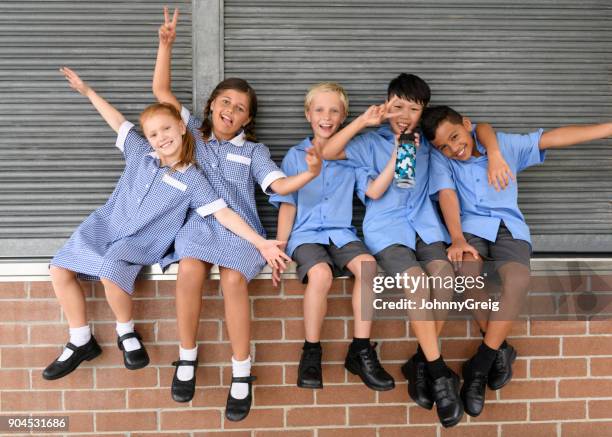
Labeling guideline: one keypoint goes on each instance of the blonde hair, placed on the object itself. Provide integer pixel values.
(327, 87)
(188, 149)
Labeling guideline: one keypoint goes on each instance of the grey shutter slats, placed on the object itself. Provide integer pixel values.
(519, 65)
(58, 160)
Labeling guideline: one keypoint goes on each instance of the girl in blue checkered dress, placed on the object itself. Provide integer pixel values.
(233, 162)
(135, 227)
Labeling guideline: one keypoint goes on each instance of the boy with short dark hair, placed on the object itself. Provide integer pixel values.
(491, 223)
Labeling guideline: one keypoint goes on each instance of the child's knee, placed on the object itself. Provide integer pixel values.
(359, 270)
(321, 275)
(191, 266)
(61, 274)
(232, 280)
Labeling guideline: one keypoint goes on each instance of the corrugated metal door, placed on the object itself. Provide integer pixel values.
(518, 65)
(58, 162)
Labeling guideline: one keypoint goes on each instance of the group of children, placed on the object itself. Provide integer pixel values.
(187, 194)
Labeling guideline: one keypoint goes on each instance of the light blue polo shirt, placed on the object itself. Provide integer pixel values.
(401, 213)
(325, 204)
(482, 208)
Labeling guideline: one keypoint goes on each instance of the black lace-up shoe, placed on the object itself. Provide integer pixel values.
(365, 364)
(415, 371)
(310, 374)
(501, 372)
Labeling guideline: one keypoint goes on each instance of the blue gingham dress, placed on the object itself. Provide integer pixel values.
(232, 168)
(141, 218)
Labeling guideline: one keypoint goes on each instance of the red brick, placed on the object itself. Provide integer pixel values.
(558, 368)
(600, 326)
(465, 430)
(99, 310)
(384, 329)
(205, 375)
(50, 334)
(223, 434)
(558, 284)
(29, 310)
(162, 355)
(345, 394)
(263, 287)
(259, 418)
(402, 431)
(419, 415)
(210, 397)
(154, 309)
(557, 410)
(24, 401)
(168, 288)
(454, 328)
(13, 290)
(44, 290)
(30, 357)
(213, 308)
(459, 349)
(124, 378)
(581, 346)
(94, 399)
(278, 308)
(80, 378)
(207, 331)
(600, 409)
(77, 422)
(347, 432)
(558, 327)
(126, 421)
(378, 415)
(582, 305)
(601, 366)
(533, 346)
(278, 352)
(14, 379)
(262, 330)
(189, 420)
(529, 430)
(503, 412)
(339, 307)
(316, 416)
(601, 283)
(332, 374)
(585, 388)
(152, 398)
(542, 305)
(397, 350)
(586, 429)
(395, 396)
(266, 375)
(280, 396)
(529, 390)
(295, 287)
(284, 433)
(333, 329)
(13, 334)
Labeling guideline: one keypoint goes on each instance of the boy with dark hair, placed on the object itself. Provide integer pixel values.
(480, 219)
(402, 229)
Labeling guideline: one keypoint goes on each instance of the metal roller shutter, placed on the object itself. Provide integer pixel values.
(58, 161)
(518, 65)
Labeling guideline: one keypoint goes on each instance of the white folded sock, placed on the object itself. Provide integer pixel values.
(185, 373)
(122, 328)
(240, 390)
(78, 337)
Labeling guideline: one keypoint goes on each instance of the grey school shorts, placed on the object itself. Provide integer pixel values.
(398, 258)
(308, 254)
(505, 249)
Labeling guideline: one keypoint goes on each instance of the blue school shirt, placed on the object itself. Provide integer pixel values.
(482, 208)
(401, 213)
(140, 219)
(325, 204)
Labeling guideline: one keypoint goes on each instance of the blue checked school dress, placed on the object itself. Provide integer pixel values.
(232, 168)
(141, 218)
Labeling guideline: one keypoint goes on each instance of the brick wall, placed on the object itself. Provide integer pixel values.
(562, 383)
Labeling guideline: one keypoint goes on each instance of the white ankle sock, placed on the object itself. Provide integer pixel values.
(240, 390)
(78, 337)
(131, 344)
(185, 373)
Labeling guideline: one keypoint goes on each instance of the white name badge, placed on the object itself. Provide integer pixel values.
(239, 158)
(173, 182)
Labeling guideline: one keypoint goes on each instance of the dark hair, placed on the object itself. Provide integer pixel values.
(409, 87)
(232, 83)
(435, 116)
(188, 148)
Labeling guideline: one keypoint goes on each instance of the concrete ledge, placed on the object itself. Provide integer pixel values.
(37, 270)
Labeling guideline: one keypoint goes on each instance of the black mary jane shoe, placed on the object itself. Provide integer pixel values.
(310, 374)
(501, 371)
(183, 391)
(58, 369)
(136, 359)
(238, 409)
(419, 390)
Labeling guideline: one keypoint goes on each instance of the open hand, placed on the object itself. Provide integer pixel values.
(375, 115)
(75, 81)
(167, 31)
(273, 253)
(499, 173)
(456, 250)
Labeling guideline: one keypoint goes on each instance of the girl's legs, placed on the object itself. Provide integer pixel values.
(121, 305)
(238, 322)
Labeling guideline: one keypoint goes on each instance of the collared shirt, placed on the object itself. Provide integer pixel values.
(482, 208)
(401, 213)
(325, 204)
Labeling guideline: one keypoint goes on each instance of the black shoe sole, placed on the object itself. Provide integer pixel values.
(512, 360)
(411, 393)
(93, 354)
(453, 423)
(370, 386)
(302, 384)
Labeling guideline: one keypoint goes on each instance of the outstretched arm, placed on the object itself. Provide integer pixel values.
(162, 77)
(571, 135)
(289, 184)
(499, 173)
(108, 112)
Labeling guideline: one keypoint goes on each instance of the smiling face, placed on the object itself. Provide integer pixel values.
(405, 115)
(165, 134)
(230, 113)
(455, 140)
(325, 114)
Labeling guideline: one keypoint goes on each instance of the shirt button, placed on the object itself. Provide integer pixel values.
(327, 198)
(477, 179)
(411, 206)
(480, 200)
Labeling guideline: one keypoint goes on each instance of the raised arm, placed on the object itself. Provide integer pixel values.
(162, 77)
(286, 218)
(290, 184)
(571, 135)
(449, 204)
(499, 173)
(108, 112)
